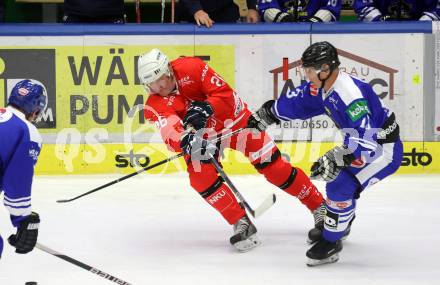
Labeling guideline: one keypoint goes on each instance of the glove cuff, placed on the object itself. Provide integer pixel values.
(267, 107)
(343, 156)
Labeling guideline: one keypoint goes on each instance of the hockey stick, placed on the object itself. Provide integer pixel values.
(138, 11)
(142, 170)
(122, 178)
(173, 8)
(267, 203)
(82, 265)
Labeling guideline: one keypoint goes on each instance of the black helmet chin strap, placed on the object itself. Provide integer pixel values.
(332, 69)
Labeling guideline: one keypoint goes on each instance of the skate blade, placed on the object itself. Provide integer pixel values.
(247, 244)
(310, 242)
(316, 262)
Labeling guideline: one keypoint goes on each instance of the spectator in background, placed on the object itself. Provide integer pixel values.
(275, 11)
(397, 10)
(94, 11)
(208, 12)
(2, 11)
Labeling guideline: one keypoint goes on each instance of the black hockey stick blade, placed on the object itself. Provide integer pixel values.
(89, 268)
(122, 178)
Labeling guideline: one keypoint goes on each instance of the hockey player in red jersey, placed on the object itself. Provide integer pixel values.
(185, 93)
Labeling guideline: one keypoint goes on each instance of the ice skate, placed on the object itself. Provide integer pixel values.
(323, 252)
(315, 234)
(318, 215)
(244, 238)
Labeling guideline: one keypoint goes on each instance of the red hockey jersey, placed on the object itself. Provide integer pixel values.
(196, 81)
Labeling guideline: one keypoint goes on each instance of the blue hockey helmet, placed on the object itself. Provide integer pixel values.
(29, 96)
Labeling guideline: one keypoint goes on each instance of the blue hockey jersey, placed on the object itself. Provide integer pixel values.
(375, 10)
(299, 10)
(350, 103)
(20, 145)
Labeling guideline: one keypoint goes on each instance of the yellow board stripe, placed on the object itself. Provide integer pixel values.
(420, 157)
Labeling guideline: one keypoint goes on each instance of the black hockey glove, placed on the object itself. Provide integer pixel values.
(263, 117)
(27, 233)
(197, 147)
(329, 165)
(197, 115)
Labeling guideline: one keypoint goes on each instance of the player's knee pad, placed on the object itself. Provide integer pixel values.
(219, 196)
(275, 169)
(344, 187)
(269, 160)
(338, 217)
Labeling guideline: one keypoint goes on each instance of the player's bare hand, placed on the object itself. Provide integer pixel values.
(252, 16)
(202, 18)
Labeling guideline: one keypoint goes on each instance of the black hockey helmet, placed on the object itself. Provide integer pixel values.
(320, 53)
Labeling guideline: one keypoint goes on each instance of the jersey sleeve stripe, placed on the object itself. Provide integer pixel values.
(19, 211)
(23, 199)
(17, 204)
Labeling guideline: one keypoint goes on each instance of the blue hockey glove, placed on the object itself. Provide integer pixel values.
(328, 166)
(197, 115)
(27, 233)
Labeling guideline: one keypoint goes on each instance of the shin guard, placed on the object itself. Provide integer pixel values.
(220, 197)
(299, 185)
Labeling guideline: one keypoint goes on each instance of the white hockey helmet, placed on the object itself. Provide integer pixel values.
(151, 66)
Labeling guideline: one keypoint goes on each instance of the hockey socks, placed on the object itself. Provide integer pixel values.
(299, 185)
(290, 179)
(220, 197)
(338, 219)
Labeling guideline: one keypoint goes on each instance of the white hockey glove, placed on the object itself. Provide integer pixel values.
(321, 16)
(274, 15)
(328, 166)
(263, 117)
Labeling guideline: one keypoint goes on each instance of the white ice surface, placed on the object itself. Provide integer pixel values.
(154, 229)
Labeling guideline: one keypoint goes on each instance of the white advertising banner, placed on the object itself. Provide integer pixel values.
(100, 71)
(393, 65)
(268, 65)
(436, 31)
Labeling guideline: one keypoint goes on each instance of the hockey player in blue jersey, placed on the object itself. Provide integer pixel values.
(397, 10)
(20, 145)
(299, 10)
(371, 150)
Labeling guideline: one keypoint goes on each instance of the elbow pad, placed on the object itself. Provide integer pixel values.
(370, 14)
(428, 16)
(274, 15)
(322, 16)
